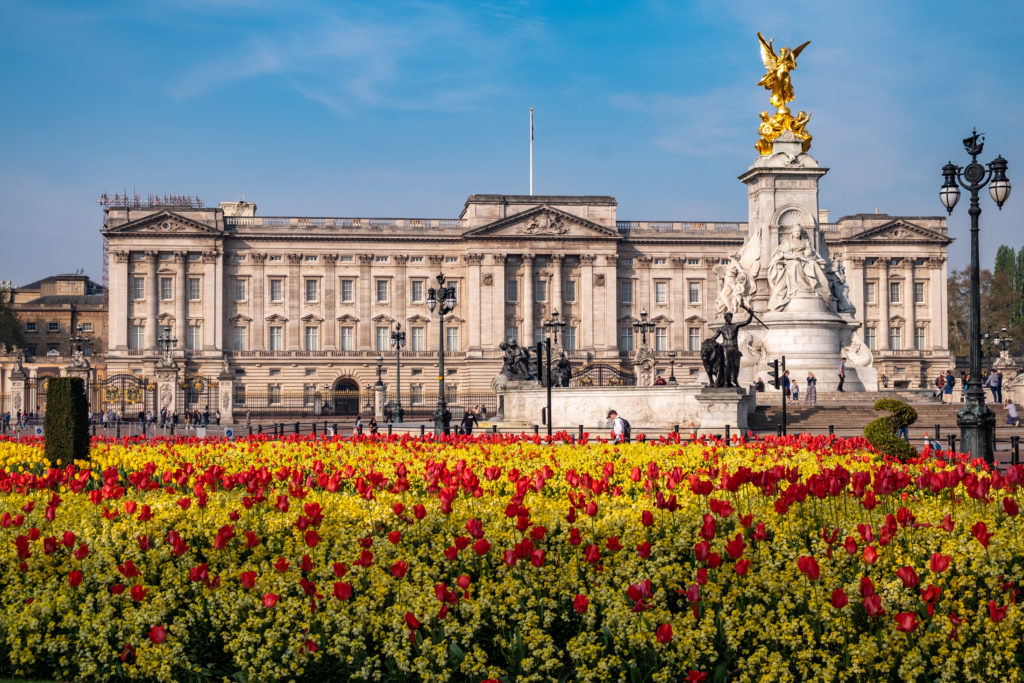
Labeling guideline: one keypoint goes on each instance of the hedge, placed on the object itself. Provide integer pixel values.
(881, 433)
(67, 421)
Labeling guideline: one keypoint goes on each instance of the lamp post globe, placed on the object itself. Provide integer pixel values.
(976, 421)
(444, 299)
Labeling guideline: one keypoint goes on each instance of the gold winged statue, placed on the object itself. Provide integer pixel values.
(777, 81)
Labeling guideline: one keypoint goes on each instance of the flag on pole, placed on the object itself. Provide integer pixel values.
(531, 124)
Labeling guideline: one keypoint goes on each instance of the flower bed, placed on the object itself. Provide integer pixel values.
(507, 559)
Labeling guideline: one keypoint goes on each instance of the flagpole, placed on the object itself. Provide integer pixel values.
(531, 151)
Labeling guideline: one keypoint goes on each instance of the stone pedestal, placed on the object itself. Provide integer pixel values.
(166, 390)
(721, 406)
(380, 396)
(225, 396)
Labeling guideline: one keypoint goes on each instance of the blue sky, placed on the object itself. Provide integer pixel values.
(405, 108)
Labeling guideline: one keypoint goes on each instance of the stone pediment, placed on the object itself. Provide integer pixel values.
(543, 222)
(899, 231)
(164, 223)
(417, 320)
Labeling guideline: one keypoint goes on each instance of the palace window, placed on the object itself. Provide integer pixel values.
(660, 261)
(274, 394)
(451, 339)
(308, 394)
(166, 288)
(138, 288)
(380, 259)
(626, 292)
(275, 257)
(417, 340)
(347, 291)
(309, 258)
(30, 327)
(625, 339)
(241, 338)
(918, 292)
(53, 328)
(415, 259)
(193, 289)
(693, 289)
(569, 342)
(542, 290)
(569, 291)
(348, 338)
(312, 290)
(451, 259)
(871, 338)
(626, 262)
(919, 343)
(345, 259)
(312, 338)
(274, 372)
(137, 338)
(894, 292)
(193, 341)
(276, 338)
(276, 289)
(895, 338)
(382, 291)
(661, 339)
(693, 339)
(416, 394)
(86, 327)
(310, 372)
(240, 288)
(383, 335)
(511, 291)
(661, 292)
(512, 332)
(870, 293)
(239, 394)
(416, 291)
(693, 261)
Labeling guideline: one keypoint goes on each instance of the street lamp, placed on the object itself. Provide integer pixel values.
(444, 300)
(643, 326)
(976, 421)
(553, 325)
(398, 343)
(166, 342)
(672, 371)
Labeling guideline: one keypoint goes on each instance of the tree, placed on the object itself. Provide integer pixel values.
(999, 300)
(10, 328)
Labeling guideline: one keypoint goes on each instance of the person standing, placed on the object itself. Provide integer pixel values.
(796, 392)
(947, 387)
(811, 395)
(842, 372)
(468, 422)
(373, 425)
(995, 383)
(786, 386)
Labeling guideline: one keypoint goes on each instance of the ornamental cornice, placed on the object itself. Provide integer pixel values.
(587, 259)
(644, 261)
(401, 259)
(331, 259)
(365, 259)
(294, 259)
(150, 257)
(258, 258)
(473, 259)
(209, 257)
(435, 260)
(498, 259)
(678, 261)
(180, 256)
(121, 256)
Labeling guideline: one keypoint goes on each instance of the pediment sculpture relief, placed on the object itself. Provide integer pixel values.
(546, 224)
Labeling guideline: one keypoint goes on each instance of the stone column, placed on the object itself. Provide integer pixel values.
(17, 389)
(166, 389)
(364, 304)
(677, 338)
(588, 319)
(642, 269)
(213, 297)
(293, 303)
(883, 304)
(528, 333)
(256, 341)
(498, 307)
(937, 308)
(474, 310)
(181, 297)
(556, 277)
(225, 398)
(611, 306)
(120, 300)
(909, 306)
(400, 297)
(855, 279)
(153, 300)
(331, 302)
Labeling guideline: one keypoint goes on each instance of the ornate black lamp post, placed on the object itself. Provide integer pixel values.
(672, 366)
(976, 421)
(398, 343)
(551, 327)
(380, 370)
(1002, 340)
(643, 326)
(444, 300)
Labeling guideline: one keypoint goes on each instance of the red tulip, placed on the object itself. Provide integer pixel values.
(69, 539)
(247, 579)
(742, 566)
(157, 634)
(509, 558)
(591, 509)
(850, 545)
(537, 533)
(947, 523)
(873, 605)
(75, 578)
(839, 599)
(870, 554)
(996, 613)
(251, 539)
(342, 590)
(580, 603)
(475, 528)
(411, 621)
(269, 600)
(612, 543)
(1010, 507)
(116, 589)
(809, 566)
(138, 593)
(702, 551)
(908, 576)
(310, 646)
(939, 563)
(931, 593)
(82, 552)
(696, 677)
(647, 518)
(664, 633)
(980, 532)
(482, 546)
(399, 569)
(867, 587)
(644, 550)
(592, 554)
(537, 558)
(736, 546)
(312, 538)
(906, 622)
(419, 510)
(575, 538)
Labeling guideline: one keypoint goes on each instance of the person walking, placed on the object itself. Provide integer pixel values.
(358, 429)
(468, 422)
(947, 387)
(620, 433)
(995, 383)
(373, 425)
(842, 373)
(811, 394)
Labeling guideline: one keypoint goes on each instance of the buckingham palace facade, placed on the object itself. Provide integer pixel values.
(296, 304)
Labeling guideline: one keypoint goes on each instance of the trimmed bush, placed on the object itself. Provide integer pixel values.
(881, 433)
(67, 421)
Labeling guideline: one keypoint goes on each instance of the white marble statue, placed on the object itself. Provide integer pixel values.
(797, 269)
(735, 287)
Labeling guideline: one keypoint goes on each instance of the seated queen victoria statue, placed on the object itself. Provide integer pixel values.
(797, 270)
